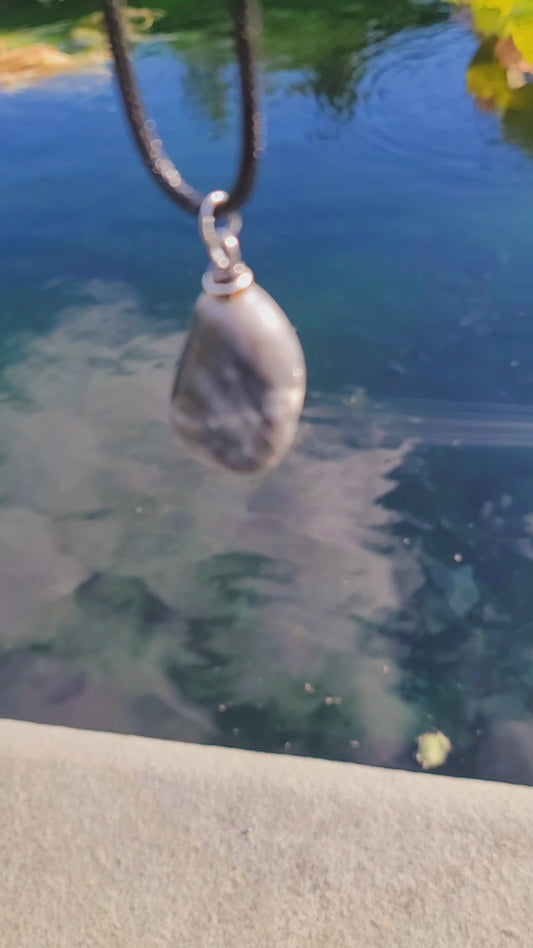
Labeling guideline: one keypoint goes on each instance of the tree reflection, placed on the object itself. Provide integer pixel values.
(333, 83)
(500, 75)
(323, 42)
(466, 638)
(206, 84)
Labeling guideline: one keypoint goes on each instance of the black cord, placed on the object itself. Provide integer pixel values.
(144, 133)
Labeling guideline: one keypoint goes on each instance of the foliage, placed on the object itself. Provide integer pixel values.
(29, 55)
(505, 19)
(498, 74)
(325, 42)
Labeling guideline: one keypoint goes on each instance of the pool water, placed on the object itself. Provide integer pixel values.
(379, 584)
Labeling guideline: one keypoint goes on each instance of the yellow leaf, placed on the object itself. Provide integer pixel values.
(521, 30)
(433, 749)
(486, 80)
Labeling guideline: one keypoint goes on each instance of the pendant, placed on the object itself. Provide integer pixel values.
(240, 384)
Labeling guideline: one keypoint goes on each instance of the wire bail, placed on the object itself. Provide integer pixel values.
(221, 242)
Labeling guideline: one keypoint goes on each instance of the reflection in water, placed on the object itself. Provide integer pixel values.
(334, 82)
(29, 57)
(206, 82)
(326, 45)
(185, 587)
(377, 586)
(468, 626)
(329, 50)
(500, 75)
(339, 608)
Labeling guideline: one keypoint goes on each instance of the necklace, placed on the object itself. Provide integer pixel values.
(240, 383)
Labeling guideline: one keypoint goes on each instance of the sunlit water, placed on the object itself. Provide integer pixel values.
(380, 583)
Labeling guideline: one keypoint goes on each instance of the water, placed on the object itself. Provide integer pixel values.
(380, 583)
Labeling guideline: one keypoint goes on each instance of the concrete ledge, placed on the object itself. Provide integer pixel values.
(121, 841)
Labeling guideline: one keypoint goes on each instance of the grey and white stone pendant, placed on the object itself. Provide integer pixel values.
(240, 383)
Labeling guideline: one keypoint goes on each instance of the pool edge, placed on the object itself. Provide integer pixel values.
(112, 840)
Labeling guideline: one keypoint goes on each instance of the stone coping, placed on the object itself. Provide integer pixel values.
(111, 840)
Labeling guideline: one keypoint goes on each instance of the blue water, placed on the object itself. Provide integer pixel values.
(380, 583)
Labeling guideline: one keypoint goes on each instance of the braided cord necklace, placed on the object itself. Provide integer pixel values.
(240, 383)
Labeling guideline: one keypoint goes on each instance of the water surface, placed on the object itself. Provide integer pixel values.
(380, 583)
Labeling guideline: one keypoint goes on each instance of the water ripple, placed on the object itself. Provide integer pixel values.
(412, 102)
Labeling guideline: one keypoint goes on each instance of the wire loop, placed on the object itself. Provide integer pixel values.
(221, 241)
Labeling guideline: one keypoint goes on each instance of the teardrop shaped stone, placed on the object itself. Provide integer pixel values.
(240, 383)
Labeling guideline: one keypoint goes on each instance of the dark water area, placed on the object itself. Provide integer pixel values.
(379, 584)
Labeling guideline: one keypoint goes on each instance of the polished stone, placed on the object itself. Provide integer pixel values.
(240, 383)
